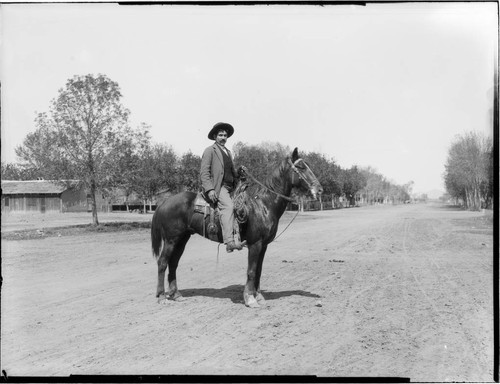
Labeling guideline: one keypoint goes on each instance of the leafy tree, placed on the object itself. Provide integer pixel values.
(377, 189)
(13, 171)
(261, 160)
(490, 188)
(82, 136)
(324, 170)
(372, 191)
(189, 172)
(133, 146)
(353, 182)
(40, 154)
(157, 171)
(328, 173)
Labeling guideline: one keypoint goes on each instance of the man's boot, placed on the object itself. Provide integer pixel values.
(236, 235)
(232, 245)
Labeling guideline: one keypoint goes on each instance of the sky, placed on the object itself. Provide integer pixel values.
(388, 85)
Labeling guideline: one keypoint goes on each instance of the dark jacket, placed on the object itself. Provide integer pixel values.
(212, 169)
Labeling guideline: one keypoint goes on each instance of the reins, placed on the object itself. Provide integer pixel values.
(269, 189)
(294, 168)
(291, 221)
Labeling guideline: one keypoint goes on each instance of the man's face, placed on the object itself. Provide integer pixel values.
(221, 138)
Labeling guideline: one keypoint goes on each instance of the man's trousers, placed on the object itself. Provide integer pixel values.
(226, 211)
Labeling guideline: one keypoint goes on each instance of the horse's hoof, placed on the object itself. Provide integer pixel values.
(176, 296)
(162, 299)
(251, 302)
(260, 299)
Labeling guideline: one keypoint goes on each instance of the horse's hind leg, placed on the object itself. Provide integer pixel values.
(173, 262)
(163, 261)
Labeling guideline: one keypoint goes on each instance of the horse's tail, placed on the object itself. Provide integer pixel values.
(156, 234)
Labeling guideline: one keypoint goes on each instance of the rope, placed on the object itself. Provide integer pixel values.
(269, 189)
(240, 206)
(243, 206)
(286, 226)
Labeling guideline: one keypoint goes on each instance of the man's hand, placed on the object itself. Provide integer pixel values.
(242, 170)
(212, 196)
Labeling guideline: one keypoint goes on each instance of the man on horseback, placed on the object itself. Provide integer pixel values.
(218, 180)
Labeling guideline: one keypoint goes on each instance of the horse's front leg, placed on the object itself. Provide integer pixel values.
(260, 299)
(249, 293)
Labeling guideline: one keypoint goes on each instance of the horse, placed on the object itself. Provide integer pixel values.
(175, 220)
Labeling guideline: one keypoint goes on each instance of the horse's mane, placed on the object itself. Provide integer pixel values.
(276, 184)
(274, 181)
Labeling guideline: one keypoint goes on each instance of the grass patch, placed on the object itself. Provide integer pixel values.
(75, 230)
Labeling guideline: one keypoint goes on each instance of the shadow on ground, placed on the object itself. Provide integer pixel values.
(235, 292)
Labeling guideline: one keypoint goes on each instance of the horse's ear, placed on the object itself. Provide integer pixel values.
(295, 155)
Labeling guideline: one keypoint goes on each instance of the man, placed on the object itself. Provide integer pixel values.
(218, 179)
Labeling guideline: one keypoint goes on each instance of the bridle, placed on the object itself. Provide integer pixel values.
(296, 171)
(301, 176)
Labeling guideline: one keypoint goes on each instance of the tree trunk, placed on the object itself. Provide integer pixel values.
(95, 220)
(477, 198)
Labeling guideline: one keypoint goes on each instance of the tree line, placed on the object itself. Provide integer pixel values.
(86, 135)
(469, 173)
(354, 184)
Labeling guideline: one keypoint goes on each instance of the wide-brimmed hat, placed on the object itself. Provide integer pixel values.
(221, 126)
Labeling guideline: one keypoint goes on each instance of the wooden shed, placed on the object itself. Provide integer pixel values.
(43, 196)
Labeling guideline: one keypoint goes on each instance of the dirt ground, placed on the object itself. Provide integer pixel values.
(393, 291)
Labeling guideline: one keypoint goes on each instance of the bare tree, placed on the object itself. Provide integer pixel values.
(467, 170)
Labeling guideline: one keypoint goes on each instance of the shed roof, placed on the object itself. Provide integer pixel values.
(12, 187)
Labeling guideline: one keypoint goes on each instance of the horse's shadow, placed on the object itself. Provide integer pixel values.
(234, 293)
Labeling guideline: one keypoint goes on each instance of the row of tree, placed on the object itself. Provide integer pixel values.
(145, 169)
(357, 185)
(469, 174)
(86, 136)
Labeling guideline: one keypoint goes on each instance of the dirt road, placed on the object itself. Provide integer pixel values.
(402, 291)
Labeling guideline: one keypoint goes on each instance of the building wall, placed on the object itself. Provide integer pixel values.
(71, 200)
(31, 203)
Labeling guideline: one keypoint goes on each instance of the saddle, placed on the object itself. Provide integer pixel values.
(205, 206)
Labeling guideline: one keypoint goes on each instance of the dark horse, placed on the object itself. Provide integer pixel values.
(176, 220)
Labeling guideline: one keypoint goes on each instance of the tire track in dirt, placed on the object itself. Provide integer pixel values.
(435, 294)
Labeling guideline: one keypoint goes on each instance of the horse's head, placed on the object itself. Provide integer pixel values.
(306, 180)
